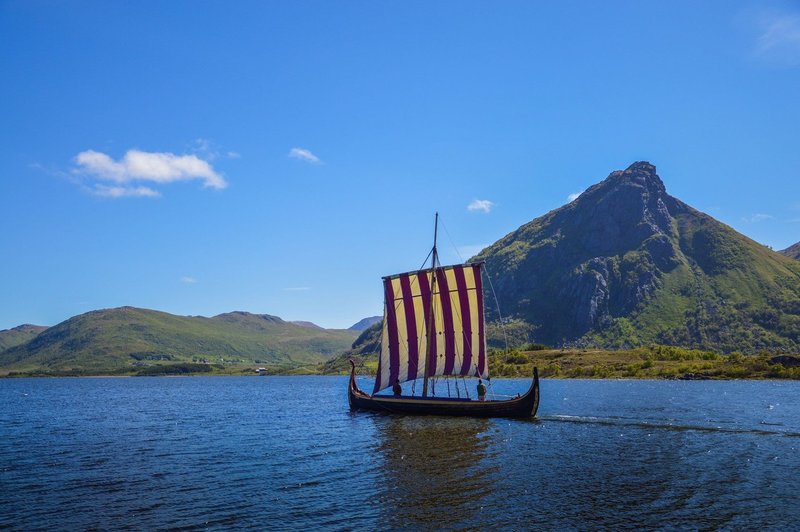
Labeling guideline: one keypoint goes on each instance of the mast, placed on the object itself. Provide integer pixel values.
(431, 326)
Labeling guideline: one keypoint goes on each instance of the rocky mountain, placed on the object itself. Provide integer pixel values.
(792, 251)
(366, 323)
(627, 264)
(114, 340)
(18, 335)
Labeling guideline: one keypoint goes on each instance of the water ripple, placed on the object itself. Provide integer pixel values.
(285, 453)
(671, 425)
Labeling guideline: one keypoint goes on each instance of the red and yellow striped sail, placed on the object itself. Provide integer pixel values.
(457, 325)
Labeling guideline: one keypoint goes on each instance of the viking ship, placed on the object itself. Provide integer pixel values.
(433, 326)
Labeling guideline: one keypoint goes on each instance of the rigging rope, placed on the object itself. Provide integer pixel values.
(451, 242)
(497, 304)
(426, 259)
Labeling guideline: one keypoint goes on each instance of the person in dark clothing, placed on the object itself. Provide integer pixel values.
(481, 390)
(396, 389)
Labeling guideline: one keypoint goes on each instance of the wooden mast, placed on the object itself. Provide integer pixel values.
(431, 332)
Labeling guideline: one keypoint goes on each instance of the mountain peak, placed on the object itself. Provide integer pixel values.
(640, 173)
(625, 209)
(642, 167)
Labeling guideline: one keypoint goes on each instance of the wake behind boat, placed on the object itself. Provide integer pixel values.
(433, 326)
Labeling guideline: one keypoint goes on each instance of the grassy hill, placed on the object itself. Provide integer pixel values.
(18, 335)
(365, 349)
(127, 339)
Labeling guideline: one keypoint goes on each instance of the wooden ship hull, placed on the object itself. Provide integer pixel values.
(524, 406)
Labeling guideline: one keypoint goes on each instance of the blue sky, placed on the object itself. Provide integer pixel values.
(280, 157)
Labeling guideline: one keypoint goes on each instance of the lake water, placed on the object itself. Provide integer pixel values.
(285, 453)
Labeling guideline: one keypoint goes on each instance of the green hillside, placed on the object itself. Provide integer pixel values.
(127, 339)
(365, 348)
(625, 265)
(18, 335)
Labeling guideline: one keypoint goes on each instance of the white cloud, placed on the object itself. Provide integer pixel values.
(779, 39)
(758, 218)
(304, 155)
(155, 167)
(572, 197)
(106, 191)
(480, 205)
(188, 280)
(298, 289)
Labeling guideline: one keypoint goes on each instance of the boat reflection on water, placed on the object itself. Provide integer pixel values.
(435, 470)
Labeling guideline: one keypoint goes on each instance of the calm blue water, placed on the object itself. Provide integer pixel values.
(284, 452)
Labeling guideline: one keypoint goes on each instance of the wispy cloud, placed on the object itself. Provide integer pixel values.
(779, 37)
(208, 150)
(188, 280)
(480, 205)
(304, 155)
(297, 289)
(572, 197)
(136, 166)
(105, 191)
(759, 217)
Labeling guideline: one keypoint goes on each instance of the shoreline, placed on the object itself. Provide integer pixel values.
(646, 363)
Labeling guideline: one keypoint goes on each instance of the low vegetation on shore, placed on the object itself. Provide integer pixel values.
(652, 362)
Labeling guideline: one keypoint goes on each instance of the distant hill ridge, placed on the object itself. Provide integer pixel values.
(792, 251)
(627, 264)
(19, 335)
(308, 324)
(114, 339)
(366, 323)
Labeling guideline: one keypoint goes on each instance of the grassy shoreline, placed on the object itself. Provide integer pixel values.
(653, 362)
(657, 362)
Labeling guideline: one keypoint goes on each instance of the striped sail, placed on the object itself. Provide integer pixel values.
(458, 327)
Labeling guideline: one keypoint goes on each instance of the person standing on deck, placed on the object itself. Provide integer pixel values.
(396, 389)
(481, 390)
